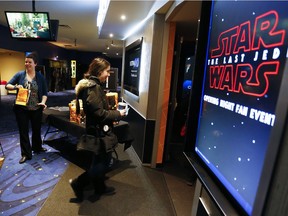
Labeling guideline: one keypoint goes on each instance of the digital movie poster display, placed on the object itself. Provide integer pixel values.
(132, 67)
(246, 58)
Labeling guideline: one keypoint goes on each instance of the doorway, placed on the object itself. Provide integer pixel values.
(182, 78)
(180, 90)
(186, 18)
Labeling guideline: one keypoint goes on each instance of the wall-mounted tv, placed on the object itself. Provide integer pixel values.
(132, 67)
(239, 114)
(29, 25)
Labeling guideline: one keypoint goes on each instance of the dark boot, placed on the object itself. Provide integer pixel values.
(78, 191)
(101, 188)
(79, 184)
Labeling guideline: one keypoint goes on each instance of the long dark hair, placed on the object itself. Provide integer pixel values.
(97, 66)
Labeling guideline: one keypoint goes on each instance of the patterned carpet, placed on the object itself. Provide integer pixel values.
(25, 187)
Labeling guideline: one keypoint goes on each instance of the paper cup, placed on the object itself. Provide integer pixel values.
(122, 105)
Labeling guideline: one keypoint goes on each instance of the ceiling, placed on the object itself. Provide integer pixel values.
(78, 21)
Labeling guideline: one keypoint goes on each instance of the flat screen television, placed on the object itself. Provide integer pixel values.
(29, 25)
(239, 122)
(54, 24)
(132, 67)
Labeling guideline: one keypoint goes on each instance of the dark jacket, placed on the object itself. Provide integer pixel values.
(95, 106)
(19, 78)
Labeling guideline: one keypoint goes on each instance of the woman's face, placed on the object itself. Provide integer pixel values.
(29, 64)
(104, 74)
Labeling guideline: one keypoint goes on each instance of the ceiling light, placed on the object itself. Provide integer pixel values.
(111, 35)
(123, 17)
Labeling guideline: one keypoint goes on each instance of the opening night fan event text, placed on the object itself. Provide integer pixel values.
(229, 70)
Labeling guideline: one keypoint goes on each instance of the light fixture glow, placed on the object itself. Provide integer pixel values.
(123, 17)
(103, 8)
(136, 27)
(156, 6)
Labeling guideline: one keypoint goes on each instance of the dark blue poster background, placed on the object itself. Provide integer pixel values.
(245, 63)
(132, 70)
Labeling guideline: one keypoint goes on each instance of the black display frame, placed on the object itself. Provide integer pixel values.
(47, 35)
(276, 134)
(133, 51)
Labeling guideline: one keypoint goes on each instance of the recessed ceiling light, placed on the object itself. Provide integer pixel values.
(123, 17)
(111, 35)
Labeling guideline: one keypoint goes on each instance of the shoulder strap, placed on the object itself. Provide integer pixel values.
(83, 96)
(77, 106)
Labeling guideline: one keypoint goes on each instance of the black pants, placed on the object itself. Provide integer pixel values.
(23, 118)
(96, 173)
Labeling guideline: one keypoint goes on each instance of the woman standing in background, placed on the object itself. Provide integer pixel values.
(32, 110)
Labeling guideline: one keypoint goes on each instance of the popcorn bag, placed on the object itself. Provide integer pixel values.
(112, 99)
(22, 97)
(73, 115)
(72, 109)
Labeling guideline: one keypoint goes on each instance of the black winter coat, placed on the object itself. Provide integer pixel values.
(95, 106)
